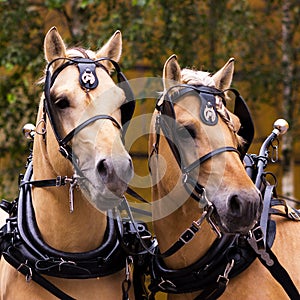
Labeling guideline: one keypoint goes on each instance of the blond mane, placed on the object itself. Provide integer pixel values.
(194, 77)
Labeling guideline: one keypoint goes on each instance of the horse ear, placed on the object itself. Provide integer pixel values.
(112, 49)
(54, 46)
(223, 77)
(171, 72)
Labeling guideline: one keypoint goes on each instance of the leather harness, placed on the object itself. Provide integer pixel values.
(23, 247)
(230, 254)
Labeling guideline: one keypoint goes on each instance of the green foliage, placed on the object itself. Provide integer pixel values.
(204, 34)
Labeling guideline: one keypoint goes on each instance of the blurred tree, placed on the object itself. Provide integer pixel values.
(290, 24)
(203, 33)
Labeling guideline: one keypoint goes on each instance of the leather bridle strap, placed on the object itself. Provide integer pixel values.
(72, 133)
(64, 149)
(49, 81)
(207, 156)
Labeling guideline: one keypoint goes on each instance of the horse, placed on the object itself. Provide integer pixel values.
(196, 150)
(76, 176)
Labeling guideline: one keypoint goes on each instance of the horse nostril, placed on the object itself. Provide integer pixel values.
(102, 169)
(235, 206)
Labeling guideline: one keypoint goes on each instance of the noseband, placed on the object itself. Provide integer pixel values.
(88, 81)
(208, 115)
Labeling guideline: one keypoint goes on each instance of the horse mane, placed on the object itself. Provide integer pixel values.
(194, 77)
(74, 52)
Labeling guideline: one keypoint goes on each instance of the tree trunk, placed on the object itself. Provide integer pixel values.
(287, 71)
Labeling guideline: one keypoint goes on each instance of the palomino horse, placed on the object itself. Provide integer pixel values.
(193, 148)
(66, 217)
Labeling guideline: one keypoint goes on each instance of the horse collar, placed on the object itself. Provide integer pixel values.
(27, 246)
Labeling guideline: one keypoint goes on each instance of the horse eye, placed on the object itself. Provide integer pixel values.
(62, 103)
(186, 132)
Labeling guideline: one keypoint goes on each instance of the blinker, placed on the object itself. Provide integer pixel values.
(208, 113)
(87, 76)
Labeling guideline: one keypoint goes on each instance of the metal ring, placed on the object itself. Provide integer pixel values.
(44, 130)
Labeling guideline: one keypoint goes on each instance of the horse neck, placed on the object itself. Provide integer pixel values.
(79, 231)
(169, 225)
(169, 228)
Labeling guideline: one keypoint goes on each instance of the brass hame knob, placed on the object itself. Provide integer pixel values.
(280, 126)
(29, 131)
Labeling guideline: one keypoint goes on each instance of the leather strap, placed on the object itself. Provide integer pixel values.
(31, 274)
(207, 156)
(281, 275)
(265, 212)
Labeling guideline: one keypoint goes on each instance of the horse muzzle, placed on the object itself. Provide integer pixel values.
(240, 212)
(115, 174)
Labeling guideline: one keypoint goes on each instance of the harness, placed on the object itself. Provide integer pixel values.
(23, 247)
(128, 241)
(230, 254)
(21, 244)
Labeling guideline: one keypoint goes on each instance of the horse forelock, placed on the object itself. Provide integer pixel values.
(194, 77)
(80, 52)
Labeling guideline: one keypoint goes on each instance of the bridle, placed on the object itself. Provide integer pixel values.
(166, 122)
(229, 255)
(88, 81)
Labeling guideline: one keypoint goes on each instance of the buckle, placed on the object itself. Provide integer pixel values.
(26, 270)
(166, 285)
(60, 180)
(224, 278)
(187, 236)
(257, 236)
(293, 213)
(256, 241)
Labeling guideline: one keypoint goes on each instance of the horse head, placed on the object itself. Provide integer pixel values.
(199, 147)
(83, 114)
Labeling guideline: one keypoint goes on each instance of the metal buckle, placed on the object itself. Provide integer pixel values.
(293, 214)
(224, 278)
(256, 241)
(28, 275)
(187, 235)
(60, 180)
(257, 236)
(210, 208)
(166, 285)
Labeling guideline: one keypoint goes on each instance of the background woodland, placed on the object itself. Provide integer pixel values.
(263, 36)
